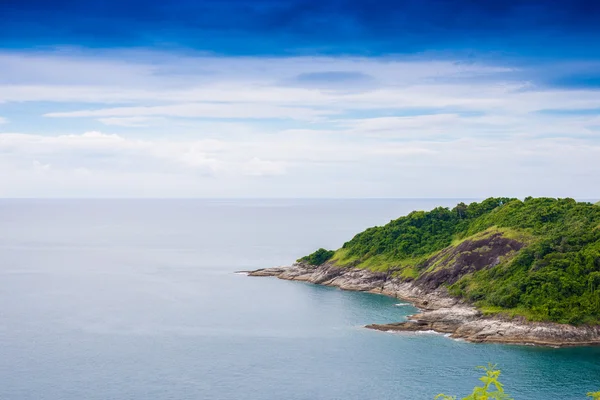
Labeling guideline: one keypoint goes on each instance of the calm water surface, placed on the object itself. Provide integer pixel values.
(129, 299)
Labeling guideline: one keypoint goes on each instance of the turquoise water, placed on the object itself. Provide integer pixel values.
(128, 299)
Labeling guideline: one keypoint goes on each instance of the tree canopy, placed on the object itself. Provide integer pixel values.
(554, 276)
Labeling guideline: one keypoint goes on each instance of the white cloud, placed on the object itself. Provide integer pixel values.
(258, 167)
(97, 151)
(199, 110)
(396, 149)
(3, 120)
(39, 167)
(131, 122)
(99, 164)
(146, 86)
(317, 126)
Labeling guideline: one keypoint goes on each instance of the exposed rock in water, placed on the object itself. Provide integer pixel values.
(440, 311)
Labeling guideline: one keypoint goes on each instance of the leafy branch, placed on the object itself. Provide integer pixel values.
(492, 389)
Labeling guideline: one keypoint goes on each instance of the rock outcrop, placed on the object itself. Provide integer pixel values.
(440, 312)
(472, 255)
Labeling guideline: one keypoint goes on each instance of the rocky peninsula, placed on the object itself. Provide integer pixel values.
(503, 270)
(440, 312)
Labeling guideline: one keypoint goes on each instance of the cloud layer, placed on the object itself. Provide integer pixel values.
(146, 123)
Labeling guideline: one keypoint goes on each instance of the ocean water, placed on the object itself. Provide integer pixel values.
(137, 299)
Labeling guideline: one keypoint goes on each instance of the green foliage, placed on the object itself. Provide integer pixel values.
(554, 277)
(491, 389)
(419, 233)
(318, 257)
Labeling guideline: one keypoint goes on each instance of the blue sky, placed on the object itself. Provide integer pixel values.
(264, 98)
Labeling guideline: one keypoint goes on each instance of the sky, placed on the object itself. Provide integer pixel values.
(300, 98)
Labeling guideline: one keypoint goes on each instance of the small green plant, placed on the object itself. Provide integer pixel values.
(492, 389)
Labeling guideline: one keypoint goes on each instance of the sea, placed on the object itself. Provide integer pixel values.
(140, 299)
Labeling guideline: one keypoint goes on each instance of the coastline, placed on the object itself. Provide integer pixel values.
(440, 312)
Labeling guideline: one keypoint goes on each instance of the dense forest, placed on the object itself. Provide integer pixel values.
(537, 257)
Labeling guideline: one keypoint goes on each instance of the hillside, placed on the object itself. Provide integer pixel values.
(538, 258)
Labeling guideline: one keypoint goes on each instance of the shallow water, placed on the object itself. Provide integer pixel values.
(136, 299)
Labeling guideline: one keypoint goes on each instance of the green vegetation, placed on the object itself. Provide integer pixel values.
(492, 389)
(318, 257)
(538, 258)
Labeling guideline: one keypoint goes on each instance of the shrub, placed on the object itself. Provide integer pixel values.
(318, 257)
(492, 389)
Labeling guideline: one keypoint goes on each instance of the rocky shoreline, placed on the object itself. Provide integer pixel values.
(440, 312)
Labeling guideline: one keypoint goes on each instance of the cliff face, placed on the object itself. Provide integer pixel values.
(454, 262)
(440, 312)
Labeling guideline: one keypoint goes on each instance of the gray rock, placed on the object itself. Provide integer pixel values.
(440, 312)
